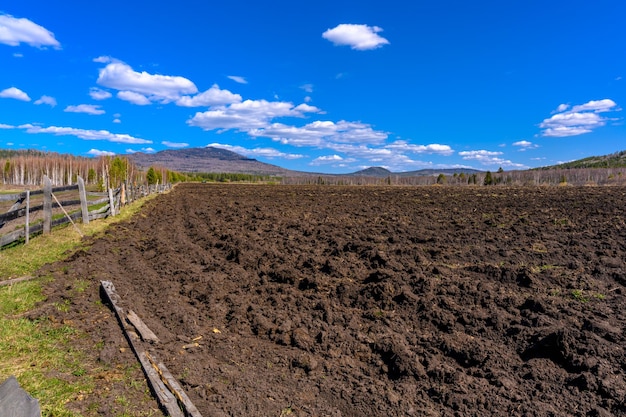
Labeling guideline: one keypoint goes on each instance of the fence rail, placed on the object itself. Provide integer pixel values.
(111, 202)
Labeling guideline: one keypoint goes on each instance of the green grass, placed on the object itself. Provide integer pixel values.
(31, 350)
(38, 352)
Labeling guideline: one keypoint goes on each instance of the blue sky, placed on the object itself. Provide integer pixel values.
(324, 86)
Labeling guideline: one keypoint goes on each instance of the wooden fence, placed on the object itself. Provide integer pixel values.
(44, 202)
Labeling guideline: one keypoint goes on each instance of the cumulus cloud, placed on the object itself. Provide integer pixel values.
(99, 94)
(50, 101)
(144, 150)
(525, 145)
(177, 145)
(307, 88)
(328, 159)
(490, 158)
(96, 152)
(435, 148)
(358, 37)
(135, 98)
(84, 134)
(85, 108)
(14, 93)
(597, 106)
(14, 31)
(578, 119)
(320, 133)
(160, 88)
(105, 59)
(258, 152)
(248, 115)
(238, 79)
(214, 96)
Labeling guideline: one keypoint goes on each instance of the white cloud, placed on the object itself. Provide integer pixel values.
(490, 158)
(479, 154)
(577, 120)
(4, 126)
(327, 159)
(238, 79)
(105, 59)
(358, 37)
(211, 97)
(159, 88)
(14, 31)
(525, 145)
(174, 144)
(14, 93)
(96, 152)
(50, 101)
(262, 152)
(561, 108)
(117, 120)
(18, 55)
(84, 134)
(307, 88)
(99, 94)
(144, 150)
(597, 106)
(571, 124)
(85, 108)
(402, 145)
(321, 133)
(380, 156)
(135, 98)
(247, 115)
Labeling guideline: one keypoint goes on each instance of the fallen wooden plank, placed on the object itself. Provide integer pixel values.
(174, 387)
(15, 402)
(165, 397)
(144, 331)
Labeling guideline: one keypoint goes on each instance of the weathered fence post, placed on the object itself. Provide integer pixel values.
(27, 225)
(47, 204)
(111, 203)
(83, 200)
(123, 194)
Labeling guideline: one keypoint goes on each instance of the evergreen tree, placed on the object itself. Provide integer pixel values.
(488, 179)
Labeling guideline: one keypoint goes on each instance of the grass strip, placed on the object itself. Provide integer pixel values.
(38, 352)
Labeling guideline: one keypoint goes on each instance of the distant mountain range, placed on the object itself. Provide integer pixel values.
(210, 159)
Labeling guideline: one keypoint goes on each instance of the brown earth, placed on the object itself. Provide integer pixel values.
(366, 301)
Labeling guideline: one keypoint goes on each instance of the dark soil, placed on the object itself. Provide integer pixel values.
(367, 301)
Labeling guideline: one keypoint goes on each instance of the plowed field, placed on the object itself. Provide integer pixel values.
(366, 301)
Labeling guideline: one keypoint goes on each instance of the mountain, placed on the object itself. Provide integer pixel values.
(373, 172)
(383, 172)
(206, 159)
(614, 160)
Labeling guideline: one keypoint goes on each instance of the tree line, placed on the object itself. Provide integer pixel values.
(28, 168)
(575, 177)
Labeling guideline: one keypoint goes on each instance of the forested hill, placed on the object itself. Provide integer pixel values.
(614, 160)
(207, 159)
